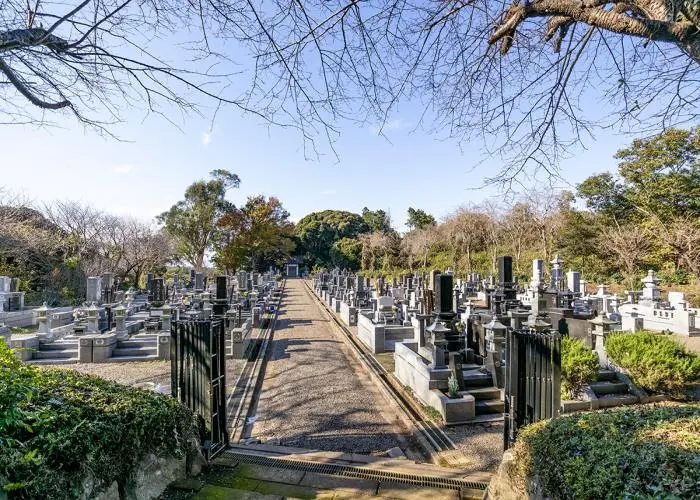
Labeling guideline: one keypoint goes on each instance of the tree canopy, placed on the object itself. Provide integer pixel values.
(419, 219)
(659, 177)
(376, 220)
(319, 231)
(192, 222)
(255, 235)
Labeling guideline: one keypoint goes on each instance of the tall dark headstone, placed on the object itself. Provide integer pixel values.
(219, 307)
(443, 293)
(505, 269)
(157, 292)
(221, 284)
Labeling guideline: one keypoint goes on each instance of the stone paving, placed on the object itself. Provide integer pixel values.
(315, 394)
(257, 482)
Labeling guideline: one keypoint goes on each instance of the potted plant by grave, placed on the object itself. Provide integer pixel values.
(453, 388)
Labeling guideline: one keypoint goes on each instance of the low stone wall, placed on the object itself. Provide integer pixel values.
(370, 334)
(348, 314)
(238, 340)
(503, 485)
(21, 319)
(150, 479)
(428, 385)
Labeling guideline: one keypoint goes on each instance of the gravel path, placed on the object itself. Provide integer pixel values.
(481, 445)
(147, 373)
(315, 394)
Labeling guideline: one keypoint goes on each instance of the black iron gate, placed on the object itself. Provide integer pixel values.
(198, 378)
(533, 379)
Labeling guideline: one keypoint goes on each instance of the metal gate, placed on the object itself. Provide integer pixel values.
(198, 378)
(533, 380)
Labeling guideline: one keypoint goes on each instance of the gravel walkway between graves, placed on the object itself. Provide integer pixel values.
(481, 444)
(315, 394)
(146, 373)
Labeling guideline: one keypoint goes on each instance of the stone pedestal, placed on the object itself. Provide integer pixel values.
(25, 346)
(85, 349)
(102, 347)
(164, 346)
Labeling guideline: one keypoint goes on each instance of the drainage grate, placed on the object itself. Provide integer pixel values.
(231, 458)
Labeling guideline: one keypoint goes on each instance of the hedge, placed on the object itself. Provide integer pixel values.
(579, 366)
(57, 427)
(654, 362)
(649, 451)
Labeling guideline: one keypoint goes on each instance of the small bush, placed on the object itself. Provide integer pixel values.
(649, 451)
(579, 366)
(654, 362)
(59, 426)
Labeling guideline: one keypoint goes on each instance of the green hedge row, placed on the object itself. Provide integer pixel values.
(650, 451)
(59, 426)
(654, 362)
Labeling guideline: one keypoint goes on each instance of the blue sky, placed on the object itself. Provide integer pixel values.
(148, 170)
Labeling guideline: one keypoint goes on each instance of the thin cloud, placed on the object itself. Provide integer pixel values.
(394, 124)
(328, 192)
(206, 138)
(122, 169)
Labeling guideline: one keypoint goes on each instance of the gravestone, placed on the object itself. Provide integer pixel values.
(573, 281)
(157, 292)
(442, 284)
(199, 281)
(94, 289)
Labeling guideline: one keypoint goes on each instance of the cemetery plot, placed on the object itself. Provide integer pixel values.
(314, 395)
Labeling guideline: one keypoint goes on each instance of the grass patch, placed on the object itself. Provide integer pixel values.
(649, 451)
(431, 413)
(579, 366)
(59, 427)
(654, 362)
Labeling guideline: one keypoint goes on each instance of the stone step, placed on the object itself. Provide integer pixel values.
(489, 406)
(602, 388)
(470, 366)
(128, 344)
(58, 346)
(480, 393)
(122, 359)
(607, 376)
(54, 361)
(135, 351)
(143, 337)
(66, 353)
(476, 378)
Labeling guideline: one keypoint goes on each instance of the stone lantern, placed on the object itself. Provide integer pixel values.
(438, 330)
(536, 324)
(601, 326)
(120, 320)
(44, 331)
(93, 319)
(495, 335)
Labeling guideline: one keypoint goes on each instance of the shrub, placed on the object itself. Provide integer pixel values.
(654, 362)
(649, 451)
(579, 366)
(57, 426)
